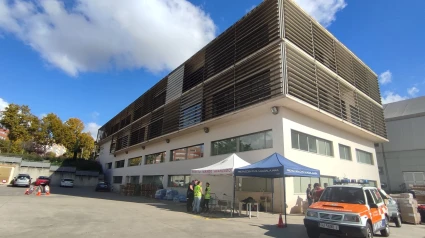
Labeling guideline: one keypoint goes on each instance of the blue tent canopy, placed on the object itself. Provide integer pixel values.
(276, 166)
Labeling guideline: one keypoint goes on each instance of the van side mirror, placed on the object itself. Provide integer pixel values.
(373, 205)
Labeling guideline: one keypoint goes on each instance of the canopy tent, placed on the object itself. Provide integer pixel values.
(276, 166)
(221, 173)
(224, 167)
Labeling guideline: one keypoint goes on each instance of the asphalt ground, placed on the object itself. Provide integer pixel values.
(82, 212)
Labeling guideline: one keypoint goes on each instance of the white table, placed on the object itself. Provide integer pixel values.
(248, 209)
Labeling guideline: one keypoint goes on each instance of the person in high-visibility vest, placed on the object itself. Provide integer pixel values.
(207, 197)
(198, 196)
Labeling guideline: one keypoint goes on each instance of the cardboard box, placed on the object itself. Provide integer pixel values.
(413, 218)
(407, 201)
(408, 209)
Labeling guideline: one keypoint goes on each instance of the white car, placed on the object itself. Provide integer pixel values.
(67, 183)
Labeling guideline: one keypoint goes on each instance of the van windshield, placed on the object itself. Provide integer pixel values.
(343, 195)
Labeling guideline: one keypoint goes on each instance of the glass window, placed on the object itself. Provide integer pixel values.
(255, 141)
(364, 157)
(376, 196)
(178, 180)
(226, 146)
(312, 144)
(154, 180)
(301, 183)
(343, 195)
(372, 183)
(344, 152)
(155, 158)
(192, 152)
(119, 164)
(303, 142)
(294, 138)
(135, 161)
(109, 165)
(117, 179)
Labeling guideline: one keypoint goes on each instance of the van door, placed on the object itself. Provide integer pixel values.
(375, 213)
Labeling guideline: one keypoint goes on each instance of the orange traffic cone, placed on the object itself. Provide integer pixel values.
(280, 224)
(38, 192)
(27, 191)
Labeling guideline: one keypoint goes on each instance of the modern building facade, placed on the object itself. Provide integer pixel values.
(275, 81)
(401, 161)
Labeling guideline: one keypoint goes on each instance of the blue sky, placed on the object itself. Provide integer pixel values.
(90, 59)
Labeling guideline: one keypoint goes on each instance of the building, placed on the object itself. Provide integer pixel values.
(402, 160)
(4, 134)
(275, 81)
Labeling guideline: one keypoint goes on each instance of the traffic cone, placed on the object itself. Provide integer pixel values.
(27, 191)
(280, 224)
(47, 189)
(38, 192)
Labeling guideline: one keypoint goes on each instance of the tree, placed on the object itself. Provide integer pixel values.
(86, 144)
(18, 120)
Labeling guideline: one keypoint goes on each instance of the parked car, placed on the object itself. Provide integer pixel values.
(67, 183)
(42, 180)
(103, 187)
(23, 180)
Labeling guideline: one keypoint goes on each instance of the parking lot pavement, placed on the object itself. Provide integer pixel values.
(81, 212)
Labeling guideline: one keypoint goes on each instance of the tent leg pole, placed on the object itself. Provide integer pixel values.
(284, 199)
(234, 194)
(272, 194)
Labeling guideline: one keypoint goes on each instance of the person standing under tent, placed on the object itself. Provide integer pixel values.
(309, 195)
(189, 195)
(317, 192)
(207, 198)
(198, 196)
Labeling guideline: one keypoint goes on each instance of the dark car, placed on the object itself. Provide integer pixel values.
(103, 187)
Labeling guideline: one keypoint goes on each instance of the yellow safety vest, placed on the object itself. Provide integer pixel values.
(197, 191)
(208, 193)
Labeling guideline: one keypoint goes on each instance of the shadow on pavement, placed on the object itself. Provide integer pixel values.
(293, 230)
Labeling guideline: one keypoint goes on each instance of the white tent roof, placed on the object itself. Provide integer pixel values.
(224, 167)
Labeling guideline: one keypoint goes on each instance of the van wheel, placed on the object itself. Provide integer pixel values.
(369, 231)
(397, 221)
(313, 233)
(386, 232)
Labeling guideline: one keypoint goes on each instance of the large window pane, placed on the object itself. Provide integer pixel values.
(364, 157)
(195, 152)
(325, 147)
(155, 158)
(135, 161)
(117, 179)
(153, 180)
(269, 139)
(294, 138)
(303, 142)
(305, 181)
(226, 146)
(322, 147)
(178, 180)
(179, 154)
(312, 144)
(119, 164)
(344, 152)
(252, 142)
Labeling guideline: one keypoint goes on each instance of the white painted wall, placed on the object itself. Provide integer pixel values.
(261, 120)
(328, 166)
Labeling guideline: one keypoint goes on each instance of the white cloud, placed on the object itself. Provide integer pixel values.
(324, 11)
(3, 103)
(412, 91)
(96, 35)
(385, 77)
(390, 97)
(92, 128)
(42, 115)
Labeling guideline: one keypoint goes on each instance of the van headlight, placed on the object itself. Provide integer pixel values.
(351, 218)
(312, 214)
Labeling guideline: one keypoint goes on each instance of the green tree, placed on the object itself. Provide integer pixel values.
(18, 120)
(86, 144)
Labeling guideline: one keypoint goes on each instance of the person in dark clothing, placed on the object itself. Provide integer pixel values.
(309, 195)
(190, 195)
